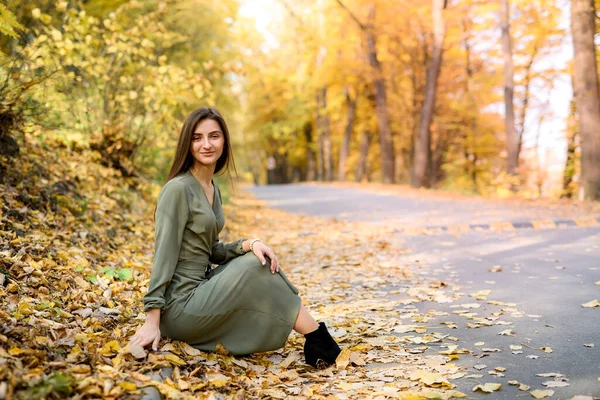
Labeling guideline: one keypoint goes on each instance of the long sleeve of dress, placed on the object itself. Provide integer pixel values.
(224, 252)
(172, 214)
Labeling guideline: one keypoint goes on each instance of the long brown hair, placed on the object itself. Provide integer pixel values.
(183, 157)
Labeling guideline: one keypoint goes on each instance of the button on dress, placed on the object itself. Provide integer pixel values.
(241, 304)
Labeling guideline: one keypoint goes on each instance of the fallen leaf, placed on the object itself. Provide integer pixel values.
(507, 332)
(289, 360)
(546, 349)
(523, 387)
(136, 350)
(540, 394)
(343, 359)
(591, 304)
(356, 359)
(129, 386)
(555, 384)
(488, 387)
(551, 375)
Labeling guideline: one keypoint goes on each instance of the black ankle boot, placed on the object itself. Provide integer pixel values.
(320, 350)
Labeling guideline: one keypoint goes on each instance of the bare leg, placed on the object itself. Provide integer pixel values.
(305, 323)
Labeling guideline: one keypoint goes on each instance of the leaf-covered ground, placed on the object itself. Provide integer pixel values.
(75, 255)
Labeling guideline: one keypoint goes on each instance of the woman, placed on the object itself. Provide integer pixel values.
(247, 304)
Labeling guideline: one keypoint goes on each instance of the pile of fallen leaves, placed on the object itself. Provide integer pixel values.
(75, 251)
(75, 255)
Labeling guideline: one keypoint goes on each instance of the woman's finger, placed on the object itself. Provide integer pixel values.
(261, 258)
(274, 262)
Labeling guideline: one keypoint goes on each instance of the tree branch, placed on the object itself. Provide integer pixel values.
(291, 11)
(360, 24)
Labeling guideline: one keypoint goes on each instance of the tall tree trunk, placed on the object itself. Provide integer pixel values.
(512, 143)
(527, 84)
(361, 169)
(325, 134)
(345, 148)
(469, 135)
(571, 162)
(422, 163)
(311, 172)
(321, 112)
(587, 96)
(385, 132)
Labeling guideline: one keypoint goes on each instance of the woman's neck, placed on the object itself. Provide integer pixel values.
(203, 173)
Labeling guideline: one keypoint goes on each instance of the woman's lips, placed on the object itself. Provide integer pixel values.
(207, 154)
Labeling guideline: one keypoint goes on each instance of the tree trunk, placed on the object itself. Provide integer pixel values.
(572, 139)
(345, 148)
(523, 116)
(512, 143)
(587, 96)
(361, 169)
(319, 124)
(385, 132)
(310, 153)
(422, 163)
(326, 160)
(469, 135)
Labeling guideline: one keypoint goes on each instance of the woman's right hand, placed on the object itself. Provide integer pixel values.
(148, 333)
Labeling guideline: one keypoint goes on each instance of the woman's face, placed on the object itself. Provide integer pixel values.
(207, 142)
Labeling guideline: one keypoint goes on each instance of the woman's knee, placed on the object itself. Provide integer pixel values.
(251, 262)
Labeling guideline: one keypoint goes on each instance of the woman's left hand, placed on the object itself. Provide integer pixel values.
(261, 250)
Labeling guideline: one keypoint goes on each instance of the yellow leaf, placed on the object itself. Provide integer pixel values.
(110, 348)
(430, 378)
(591, 304)
(217, 380)
(81, 369)
(15, 351)
(135, 350)
(343, 359)
(189, 350)
(174, 359)
(540, 394)
(363, 347)
(455, 394)
(488, 387)
(356, 359)
(129, 386)
(546, 349)
(524, 387)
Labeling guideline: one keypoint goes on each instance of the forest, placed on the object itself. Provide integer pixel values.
(484, 97)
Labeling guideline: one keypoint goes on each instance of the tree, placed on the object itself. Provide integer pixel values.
(385, 131)
(585, 79)
(422, 161)
(512, 143)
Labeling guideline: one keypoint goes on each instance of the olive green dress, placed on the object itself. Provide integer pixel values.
(241, 304)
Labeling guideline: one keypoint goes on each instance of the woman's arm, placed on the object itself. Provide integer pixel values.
(150, 331)
(172, 214)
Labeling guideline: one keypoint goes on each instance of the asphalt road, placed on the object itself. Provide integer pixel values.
(547, 274)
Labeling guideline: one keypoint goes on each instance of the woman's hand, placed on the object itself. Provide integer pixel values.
(261, 250)
(148, 333)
